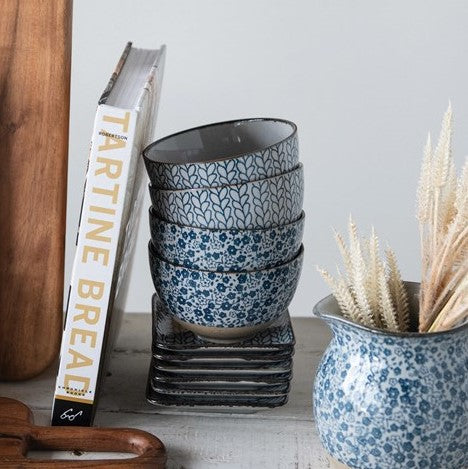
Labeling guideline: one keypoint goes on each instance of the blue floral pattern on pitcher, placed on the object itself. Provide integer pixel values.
(225, 250)
(259, 204)
(225, 299)
(390, 401)
(272, 161)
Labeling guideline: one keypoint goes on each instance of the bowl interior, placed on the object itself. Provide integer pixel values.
(219, 141)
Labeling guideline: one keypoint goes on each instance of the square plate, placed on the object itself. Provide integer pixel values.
(169, 335)
(216, 384)
(215, 355)
(220, 389)
(224, 365)
(209, 402)
(276, 375)
(251, 360)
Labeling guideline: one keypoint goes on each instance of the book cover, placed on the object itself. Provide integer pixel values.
(124, 124)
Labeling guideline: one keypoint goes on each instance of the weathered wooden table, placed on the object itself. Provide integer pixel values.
(277, 438)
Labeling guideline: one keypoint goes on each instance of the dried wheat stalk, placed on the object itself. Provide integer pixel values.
(443, 224)
(371, 292)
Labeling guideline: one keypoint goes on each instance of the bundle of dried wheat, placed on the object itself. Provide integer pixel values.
(443, 217)
(371, 292)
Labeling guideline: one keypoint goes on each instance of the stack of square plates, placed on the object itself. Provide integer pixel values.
(188, 371)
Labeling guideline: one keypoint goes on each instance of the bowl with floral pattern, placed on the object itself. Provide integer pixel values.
(225, 305)
(225, 250)
(386, 400)
(224, 153)
(259, 204)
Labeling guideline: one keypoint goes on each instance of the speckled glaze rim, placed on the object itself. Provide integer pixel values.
(216, 124)
(153, 215)
(299, 168)
(320, 312)
(154, 254)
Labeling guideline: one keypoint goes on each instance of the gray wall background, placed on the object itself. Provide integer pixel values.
(364, 80)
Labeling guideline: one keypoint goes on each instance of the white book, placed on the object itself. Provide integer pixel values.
(124, 125)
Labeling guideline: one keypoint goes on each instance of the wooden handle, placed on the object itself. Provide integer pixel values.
(18, 435)
(150, 450)
(35, 51)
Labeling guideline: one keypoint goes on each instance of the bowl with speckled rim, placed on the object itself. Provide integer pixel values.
(210, 302)
(223, 153)
(225, 250)
(386, 400)
(259, 204)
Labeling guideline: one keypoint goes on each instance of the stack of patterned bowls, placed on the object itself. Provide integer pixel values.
(226, 225)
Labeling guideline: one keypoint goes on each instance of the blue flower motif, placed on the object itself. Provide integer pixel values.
(424, 406)
(420, 359)
(208, 317)
(418, 420)
(232, 250)
(181, 300)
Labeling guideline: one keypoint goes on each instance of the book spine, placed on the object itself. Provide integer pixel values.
(89, 301)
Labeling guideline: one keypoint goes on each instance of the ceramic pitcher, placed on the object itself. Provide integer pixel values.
(386, 400)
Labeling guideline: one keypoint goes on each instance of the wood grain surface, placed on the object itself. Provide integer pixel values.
(35, 50)
(19, 435)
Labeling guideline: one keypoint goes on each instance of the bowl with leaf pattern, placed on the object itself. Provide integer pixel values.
(223, 153)
(225, 250)
(259, 204)
(225, 305)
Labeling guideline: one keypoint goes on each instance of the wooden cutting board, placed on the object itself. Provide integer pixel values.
(35, 50)
(19, 435)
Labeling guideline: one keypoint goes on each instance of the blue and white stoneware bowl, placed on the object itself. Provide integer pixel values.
(223, 153)
(225, 250)
(252, 205)
(386, 400)
(225, 305)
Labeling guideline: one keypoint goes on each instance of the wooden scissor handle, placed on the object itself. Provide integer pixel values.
(18, 435)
